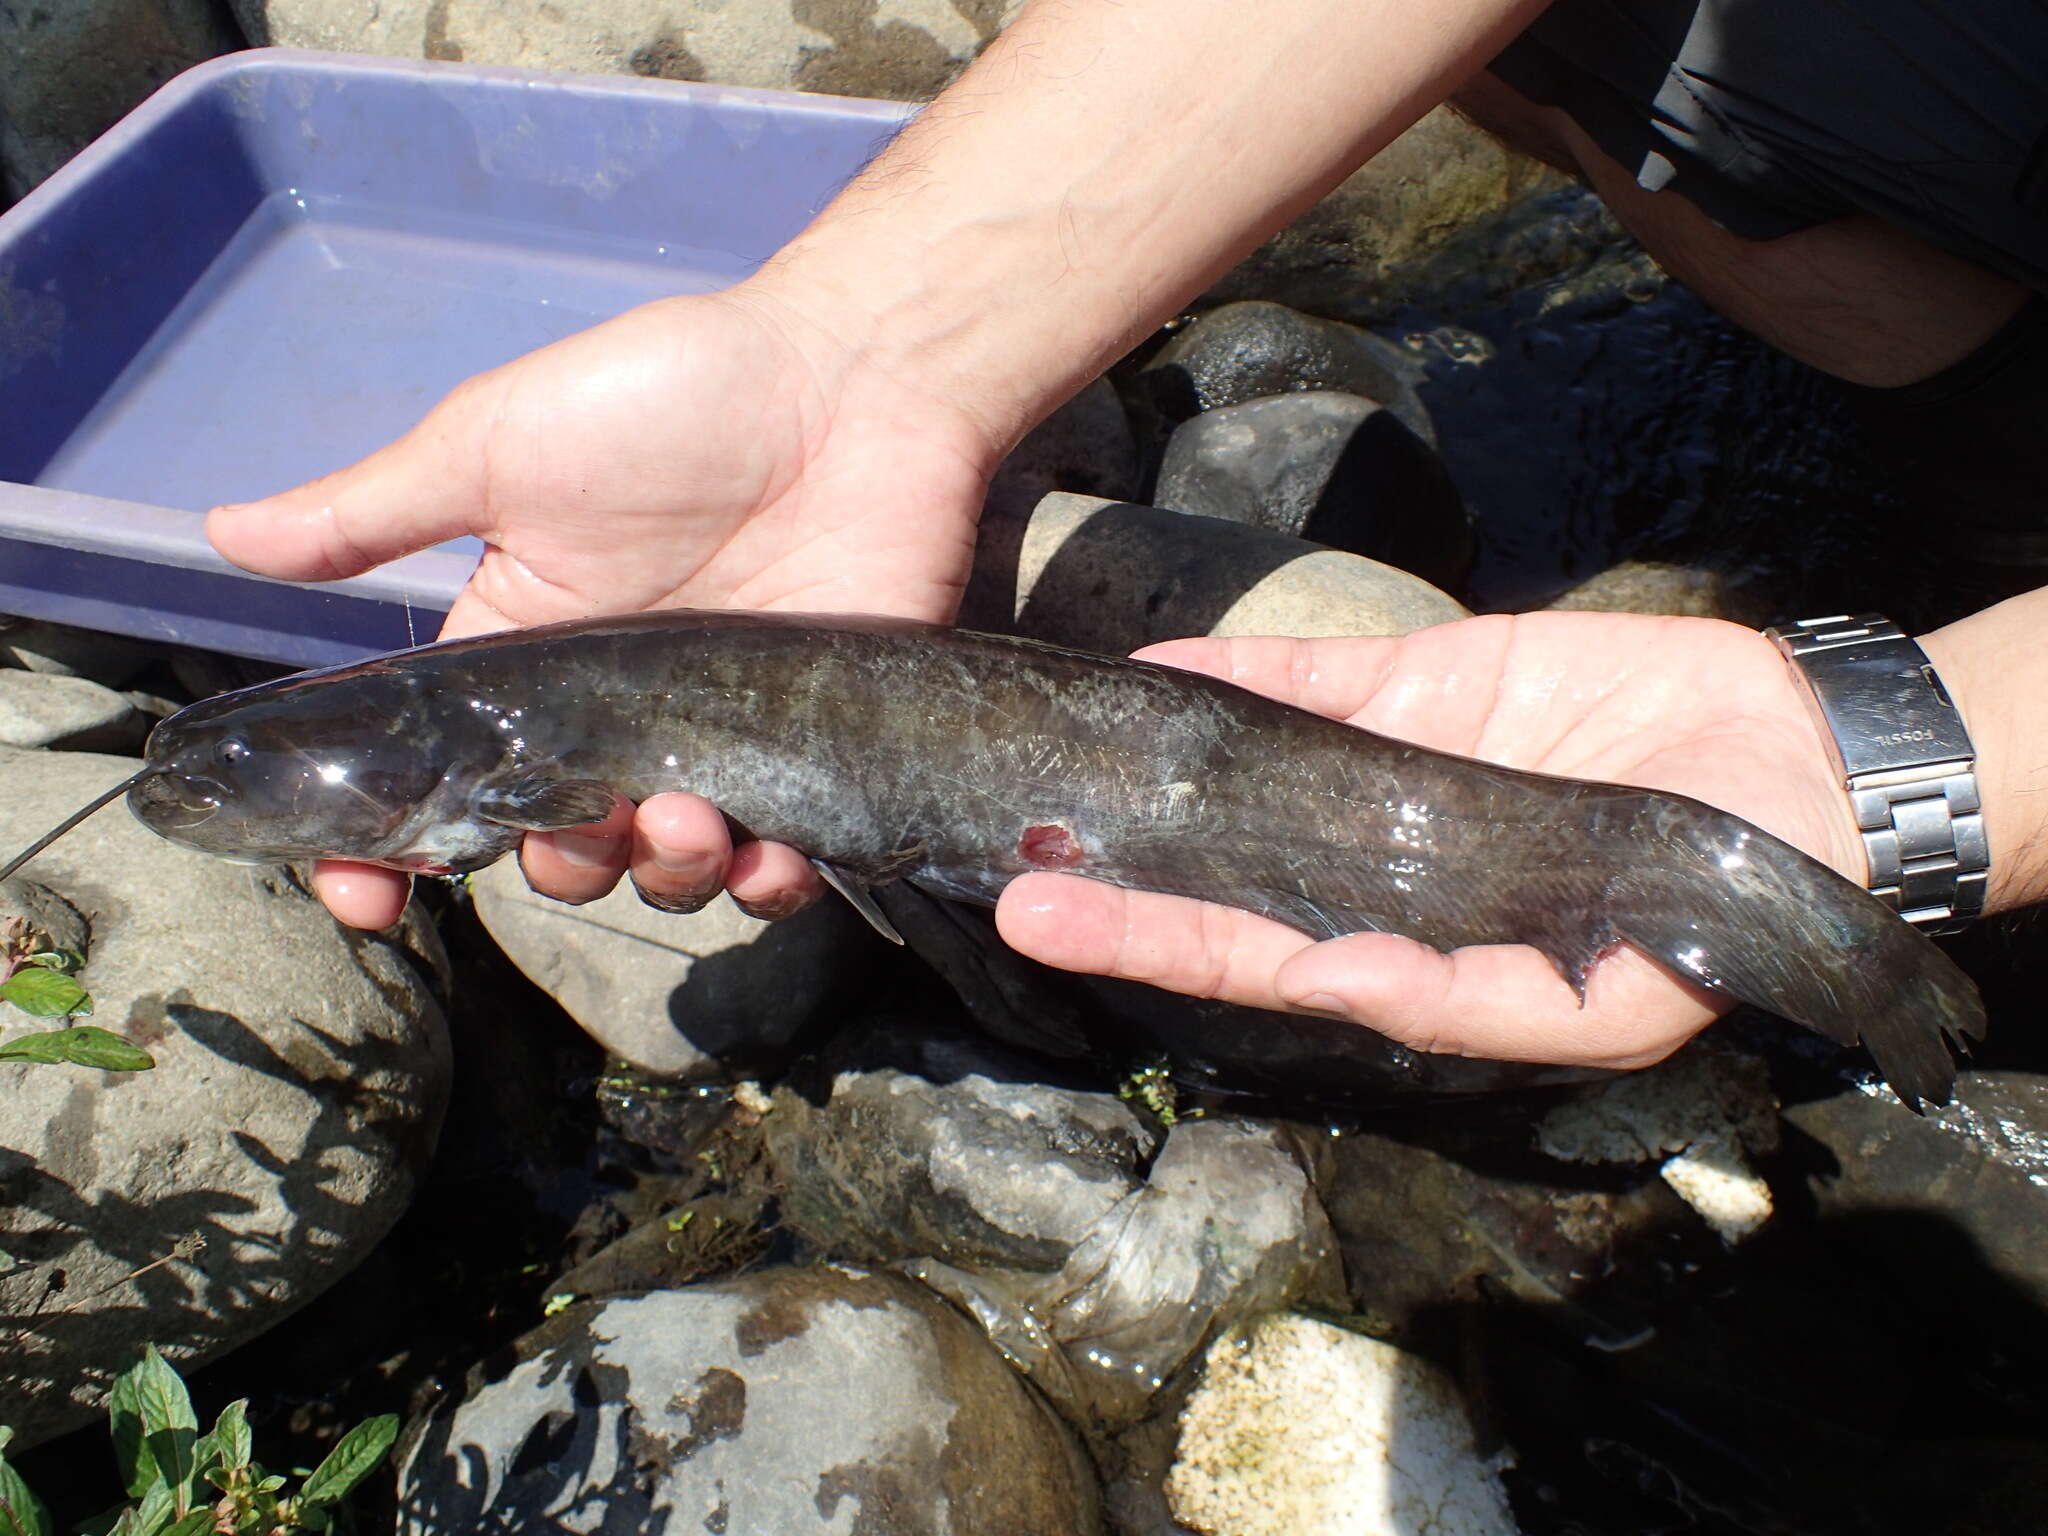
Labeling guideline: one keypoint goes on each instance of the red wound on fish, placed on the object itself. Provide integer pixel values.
(1049, 847)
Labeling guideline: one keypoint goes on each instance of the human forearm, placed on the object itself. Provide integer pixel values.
(1994, 665)
(1098, 167)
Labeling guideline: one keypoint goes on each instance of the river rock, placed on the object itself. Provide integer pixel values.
(1026, 1206)
(1444, 214)
(696, 995)
(902, 49)
(1652, 586)
(1325, 466)
(1951, 1206)
(922, 1145)
(1300, 1428)
(302, 1069)
(68, 651)
(1433, 1214)
(70, 68)
(67, 713)
(1112, 576)
(788, 1401)
(1704, 1117)
(1086, 447)
(1245, 351)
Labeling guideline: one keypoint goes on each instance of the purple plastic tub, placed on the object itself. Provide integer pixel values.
(282, 259)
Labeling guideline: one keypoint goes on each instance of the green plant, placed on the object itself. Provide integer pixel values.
(42, 981)
(183, 1483)
(1152, 1086)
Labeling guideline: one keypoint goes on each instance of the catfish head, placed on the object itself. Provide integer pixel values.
(362, 763)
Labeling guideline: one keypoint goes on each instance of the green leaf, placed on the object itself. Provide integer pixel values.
(232, 1431)
(158, 1508)
(86, 1045)
(196, 1523)
(124, 1415)
(21, 1512)
(169, 1426)
(350, 1461)
(46, 994)
(65, 960)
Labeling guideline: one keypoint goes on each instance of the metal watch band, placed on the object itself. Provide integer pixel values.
(1905, 759)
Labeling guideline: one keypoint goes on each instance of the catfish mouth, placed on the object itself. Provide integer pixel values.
(179, 801)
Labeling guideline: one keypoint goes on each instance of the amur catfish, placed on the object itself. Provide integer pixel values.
(888, 750)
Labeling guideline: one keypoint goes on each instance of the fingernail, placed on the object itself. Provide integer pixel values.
(1324, 1004)
(585, 851)
(772, 910)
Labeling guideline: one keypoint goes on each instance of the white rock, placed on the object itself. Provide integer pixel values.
(1302, 1429)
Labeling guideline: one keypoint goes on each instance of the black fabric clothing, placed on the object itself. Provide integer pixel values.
(1773, 115)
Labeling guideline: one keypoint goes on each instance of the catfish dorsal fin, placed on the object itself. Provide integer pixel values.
(863, 903)
(535, 800)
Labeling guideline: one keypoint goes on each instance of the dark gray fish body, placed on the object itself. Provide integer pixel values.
(958, 761)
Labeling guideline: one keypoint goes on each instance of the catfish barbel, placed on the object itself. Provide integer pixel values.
(885, 749)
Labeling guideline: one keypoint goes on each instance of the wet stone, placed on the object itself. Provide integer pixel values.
(1097, 1264)
(1951, 1207)
(1704, 1117)
(1332, 468)
(1430, 1215)
(928, 1147)
(1243, 351)
(787, 1401)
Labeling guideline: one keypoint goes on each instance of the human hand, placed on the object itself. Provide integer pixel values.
(1693, 706)
(716, 451)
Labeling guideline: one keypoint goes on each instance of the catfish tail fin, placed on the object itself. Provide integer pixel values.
(1806, 944)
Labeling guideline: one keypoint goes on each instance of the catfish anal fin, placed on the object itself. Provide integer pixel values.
(536, 801)
(1574, 953)
(863, 903)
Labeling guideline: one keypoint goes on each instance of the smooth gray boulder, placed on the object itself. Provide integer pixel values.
(1086, 447)
(789, 1401)
(1330, 467)
(703, 994)
(1112, 576)
(68, 651)
(302, 1069)
(68, 713)
(1248, 350)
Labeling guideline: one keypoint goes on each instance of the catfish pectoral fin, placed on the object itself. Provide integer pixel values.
(851, 888)
(536, 801)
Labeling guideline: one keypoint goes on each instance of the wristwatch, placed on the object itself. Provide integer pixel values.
(1905, 758)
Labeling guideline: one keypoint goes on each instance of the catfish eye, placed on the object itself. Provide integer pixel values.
(231, 751)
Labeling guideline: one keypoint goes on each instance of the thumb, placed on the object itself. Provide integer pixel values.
(420, 490)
